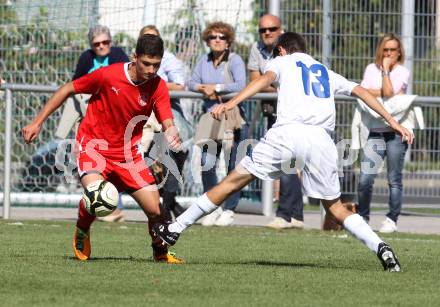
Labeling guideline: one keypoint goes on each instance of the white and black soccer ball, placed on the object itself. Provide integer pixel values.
(100, 198)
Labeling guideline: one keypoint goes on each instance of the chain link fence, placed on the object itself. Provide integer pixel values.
(41, 41)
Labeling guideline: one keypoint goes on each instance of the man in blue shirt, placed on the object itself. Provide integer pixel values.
(290, 210)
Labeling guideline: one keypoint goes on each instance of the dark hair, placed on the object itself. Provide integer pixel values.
(151, 45)
(292, 42)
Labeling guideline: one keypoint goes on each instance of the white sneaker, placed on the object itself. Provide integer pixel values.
(279, 223)
(388, 226)
(225, 219)
(210, 219)
(296, 223)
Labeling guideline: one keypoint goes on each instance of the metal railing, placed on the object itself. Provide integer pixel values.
(9, 88)
(267, 193)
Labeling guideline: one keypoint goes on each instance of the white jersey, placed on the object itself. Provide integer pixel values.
(306, 90)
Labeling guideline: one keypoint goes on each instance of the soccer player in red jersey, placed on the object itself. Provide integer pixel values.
(123, 96)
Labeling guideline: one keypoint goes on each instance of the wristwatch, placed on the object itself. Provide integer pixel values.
(385, 73)
(218, 88)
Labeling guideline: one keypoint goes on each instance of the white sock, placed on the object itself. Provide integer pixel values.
(357, 226)
(201, 207)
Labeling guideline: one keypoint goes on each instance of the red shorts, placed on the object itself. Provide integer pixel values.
(126, 176)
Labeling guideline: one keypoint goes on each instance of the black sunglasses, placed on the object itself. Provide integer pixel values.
(106, 43)
(212, 37)
(271, 29)
(390, 49)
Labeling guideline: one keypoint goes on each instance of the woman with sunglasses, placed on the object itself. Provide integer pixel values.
(219, 72)
(101, 52)
(384, 78)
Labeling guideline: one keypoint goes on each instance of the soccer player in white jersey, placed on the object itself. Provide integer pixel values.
(305, 119)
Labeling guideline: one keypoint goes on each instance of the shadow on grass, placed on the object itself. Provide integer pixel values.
(262, 263)
(111, 258)
(282, 264)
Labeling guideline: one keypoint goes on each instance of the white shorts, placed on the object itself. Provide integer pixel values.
(288, 148)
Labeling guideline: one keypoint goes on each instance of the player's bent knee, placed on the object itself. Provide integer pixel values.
(152, 211)
(340, 212)
(239, 178)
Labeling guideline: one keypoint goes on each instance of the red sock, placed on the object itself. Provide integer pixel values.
(85, 219)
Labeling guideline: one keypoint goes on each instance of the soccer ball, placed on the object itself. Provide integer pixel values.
(100, 198)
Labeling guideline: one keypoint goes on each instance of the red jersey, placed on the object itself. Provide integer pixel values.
(119, 108)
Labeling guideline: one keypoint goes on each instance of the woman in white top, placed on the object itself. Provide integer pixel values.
(384, 78)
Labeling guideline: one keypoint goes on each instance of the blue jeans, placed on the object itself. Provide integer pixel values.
(209, 177)
(291, 201)
(394, 151)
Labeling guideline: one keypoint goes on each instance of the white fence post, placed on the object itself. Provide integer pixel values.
(7, 156)
(408, 44)
(326, 33)
(326, 55)
(408, 38)
(267, 186)
(149, 14)
(274, 7)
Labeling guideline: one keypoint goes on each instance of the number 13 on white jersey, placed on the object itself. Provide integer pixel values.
(320, 87)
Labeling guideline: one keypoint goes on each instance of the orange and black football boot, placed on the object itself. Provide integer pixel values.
(81, 244)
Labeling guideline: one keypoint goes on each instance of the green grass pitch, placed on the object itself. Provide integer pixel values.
(234, 266)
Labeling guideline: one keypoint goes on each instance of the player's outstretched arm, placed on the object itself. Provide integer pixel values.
(31, 131)
(372, 102)
(254, 87)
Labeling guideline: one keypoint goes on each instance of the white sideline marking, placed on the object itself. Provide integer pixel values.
(340, 236)
(35, 225)
(414, 240)
(16, 224)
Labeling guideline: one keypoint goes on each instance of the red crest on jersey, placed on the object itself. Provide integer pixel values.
(143, 98)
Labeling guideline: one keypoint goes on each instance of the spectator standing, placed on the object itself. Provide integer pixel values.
(216, 73)
(290, 210)
(384, 78)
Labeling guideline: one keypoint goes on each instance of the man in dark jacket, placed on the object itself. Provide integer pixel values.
(101, 52)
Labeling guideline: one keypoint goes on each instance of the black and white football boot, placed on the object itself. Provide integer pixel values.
(388, 258)
(167, 237)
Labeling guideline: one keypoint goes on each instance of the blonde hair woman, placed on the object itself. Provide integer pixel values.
(385, 78)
